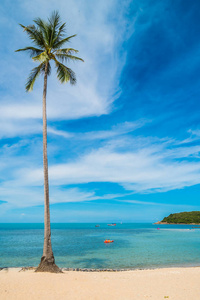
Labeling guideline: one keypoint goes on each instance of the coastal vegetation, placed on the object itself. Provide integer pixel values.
(192, 217)
(48, 39)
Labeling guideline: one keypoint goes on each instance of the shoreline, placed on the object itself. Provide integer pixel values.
(165, 223)
(156, 284)
(32, 268)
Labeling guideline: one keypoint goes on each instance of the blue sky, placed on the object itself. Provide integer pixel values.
(123, 144)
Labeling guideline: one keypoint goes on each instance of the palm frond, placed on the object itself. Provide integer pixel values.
(66, 51)
(67, 57)
(22, 26)
(59, 44)
(35, 35)
(43, 26)
(61, 30)
(65, 74)
(54, 23)
(33, 76)
(60, 34)
(54, 20)
(32, 51)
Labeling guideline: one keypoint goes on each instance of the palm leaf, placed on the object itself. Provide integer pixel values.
(43, 26)
(65, 74)
(60, 43)
(33, 76)
(66, 51)
(54, 22)
(67, 57)
(35, 35)
(61, 30)
(60, 34)
(32, 50)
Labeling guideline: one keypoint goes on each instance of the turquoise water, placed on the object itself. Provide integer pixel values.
(82, 245)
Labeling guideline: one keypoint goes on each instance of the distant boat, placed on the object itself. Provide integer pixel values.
(113, 224)
(97, 225)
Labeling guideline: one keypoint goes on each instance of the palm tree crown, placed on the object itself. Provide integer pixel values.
(48, 38)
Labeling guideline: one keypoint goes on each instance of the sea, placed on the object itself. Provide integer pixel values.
(135, 246)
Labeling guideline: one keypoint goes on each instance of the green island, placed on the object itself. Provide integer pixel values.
(192, 217)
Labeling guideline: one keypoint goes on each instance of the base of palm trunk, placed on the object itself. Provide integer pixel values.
(48, 265)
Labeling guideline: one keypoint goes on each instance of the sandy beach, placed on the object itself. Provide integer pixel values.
(171, 283)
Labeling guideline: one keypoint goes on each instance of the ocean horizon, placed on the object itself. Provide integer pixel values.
(81, 245)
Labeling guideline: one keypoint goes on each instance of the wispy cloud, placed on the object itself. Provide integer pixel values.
(117, 130)
(120, 129)
(157, 204)
(26, 196)
(136, 163)
(153, 167)
(140, 202)
(94, 93)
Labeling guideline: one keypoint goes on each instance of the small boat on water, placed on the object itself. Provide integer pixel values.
(108, 241)
(113, 224)
(97, 225)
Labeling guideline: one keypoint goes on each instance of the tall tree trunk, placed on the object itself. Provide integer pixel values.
(47, 263)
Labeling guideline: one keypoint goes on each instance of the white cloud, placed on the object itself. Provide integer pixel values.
(62, 133)
(194, 132)
(161, 166)
(139, 164)
(99, 41)
(117, 130)
(13, 128)
(140, 202)
(157, 204)
(26, 196)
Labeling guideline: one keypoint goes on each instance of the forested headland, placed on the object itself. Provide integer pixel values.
(192, 217)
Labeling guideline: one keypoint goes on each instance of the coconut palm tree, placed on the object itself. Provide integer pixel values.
(48, 38)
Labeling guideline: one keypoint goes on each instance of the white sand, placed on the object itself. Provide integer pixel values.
(172, 283)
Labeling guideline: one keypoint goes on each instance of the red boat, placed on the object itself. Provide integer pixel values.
(113, 224)
(108, 241)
